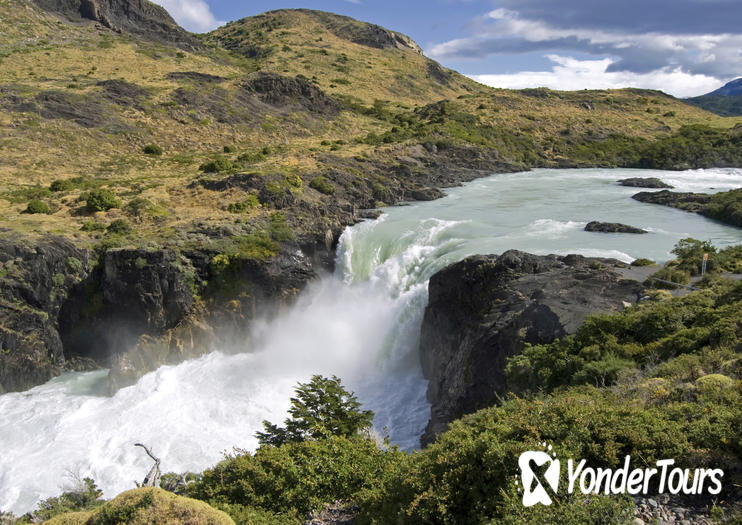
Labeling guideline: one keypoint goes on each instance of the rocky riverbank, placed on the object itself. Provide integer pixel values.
(485, 309)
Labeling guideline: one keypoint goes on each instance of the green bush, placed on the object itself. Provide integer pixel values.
(643, 262)
(297, 478)
(725, 207)
(152, 149)
(137, 206)
(467, 475)
(84, 496)
(62, 185)
(243, 206)
(92, 226)
(37, 206)
(101, 200)
(321, 408)
(279, 228)
(119, 227)
(322, 185)
(217, 166)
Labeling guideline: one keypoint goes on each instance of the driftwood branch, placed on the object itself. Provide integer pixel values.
(152, 479)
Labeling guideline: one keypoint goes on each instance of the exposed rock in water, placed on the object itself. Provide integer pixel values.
(694, 202)
(36, 278)
(485, 309)
(611, 227)
(144, 19)
(426, 194)
(644, 182)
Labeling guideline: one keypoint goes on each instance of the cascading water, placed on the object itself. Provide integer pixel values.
(360, 324)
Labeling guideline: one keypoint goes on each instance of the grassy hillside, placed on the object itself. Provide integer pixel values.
(726, 106)
(79, 102)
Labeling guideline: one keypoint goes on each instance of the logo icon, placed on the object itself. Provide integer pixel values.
(539, 473)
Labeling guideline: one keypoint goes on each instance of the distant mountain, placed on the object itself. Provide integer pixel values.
(730, 89)
(725, 101)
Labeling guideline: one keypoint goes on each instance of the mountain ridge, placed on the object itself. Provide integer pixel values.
(725, 101)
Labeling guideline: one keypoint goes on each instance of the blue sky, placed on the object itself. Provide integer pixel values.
(684, 47)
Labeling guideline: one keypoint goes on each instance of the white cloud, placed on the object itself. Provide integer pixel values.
(571, 74)
(194, 15)
(505, 31)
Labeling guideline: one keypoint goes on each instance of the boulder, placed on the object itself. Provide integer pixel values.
(611, 227)
(485, 309)
(694, 202)
(644, 182)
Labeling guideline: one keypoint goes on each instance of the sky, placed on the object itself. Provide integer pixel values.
(683, 47)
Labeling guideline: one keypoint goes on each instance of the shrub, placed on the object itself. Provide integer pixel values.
(83, 496)
(299, 477)
(322, 185)
(243, 206)
(101, 200)
(217, 166)
(62, 185)
(643, 262)
(229, 149)
(37, 206)
(321, 408)
(279, 229)
(92, 226)
(152, 505)
(137, 206)
(152, 149)
(119, 227)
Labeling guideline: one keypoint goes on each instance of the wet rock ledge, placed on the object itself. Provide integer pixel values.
(486, 308)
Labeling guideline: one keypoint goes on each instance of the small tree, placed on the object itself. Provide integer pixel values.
(321, 408)
(690, 254)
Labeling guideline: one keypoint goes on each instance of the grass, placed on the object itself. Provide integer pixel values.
(390, 100)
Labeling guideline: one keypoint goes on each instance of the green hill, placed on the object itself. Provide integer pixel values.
(79, 102)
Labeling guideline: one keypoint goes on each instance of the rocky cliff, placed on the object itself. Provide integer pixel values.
(132, 310)
(136, 17)
(485, 309)
(36, 279)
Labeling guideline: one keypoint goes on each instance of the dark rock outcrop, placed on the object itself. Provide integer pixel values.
(485, 309)
(644, 182)
(133, 310)
(611, 227)
(137, 17)
(36, 279)
(133, 292)
(281, 91)
(362, 33)
(684, 201)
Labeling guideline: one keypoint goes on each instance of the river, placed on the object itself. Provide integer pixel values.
(361, 323)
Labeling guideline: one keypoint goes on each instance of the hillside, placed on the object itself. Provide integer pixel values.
(725, 101)
(81, 100)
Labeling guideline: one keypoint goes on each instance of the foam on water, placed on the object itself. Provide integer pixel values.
(361, 324)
